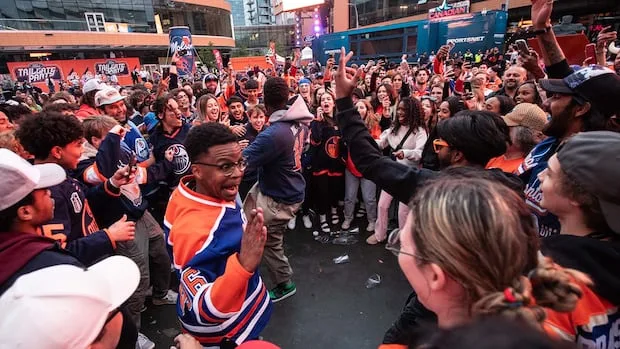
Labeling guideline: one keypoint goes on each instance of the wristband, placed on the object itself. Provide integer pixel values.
(542, 31)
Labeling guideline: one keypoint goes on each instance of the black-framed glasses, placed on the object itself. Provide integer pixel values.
(393, 245)
(227, 168)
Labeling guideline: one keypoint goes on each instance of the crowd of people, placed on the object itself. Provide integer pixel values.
(499, 171)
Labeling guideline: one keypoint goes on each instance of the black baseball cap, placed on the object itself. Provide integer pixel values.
(211, 77)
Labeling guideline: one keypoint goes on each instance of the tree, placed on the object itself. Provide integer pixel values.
(206, 55)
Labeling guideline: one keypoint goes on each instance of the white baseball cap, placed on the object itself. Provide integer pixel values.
(65, 306)
(92, 85)
(106, 96)
(20, 178)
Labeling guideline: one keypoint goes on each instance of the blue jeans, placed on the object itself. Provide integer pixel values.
(369, 194)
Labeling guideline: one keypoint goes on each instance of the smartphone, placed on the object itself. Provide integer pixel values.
(522, 46)
(468, 87)
(165, 72)
(450, 45)
(131, 164)
(591, 53)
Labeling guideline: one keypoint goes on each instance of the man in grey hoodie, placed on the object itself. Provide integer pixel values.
(276, 153)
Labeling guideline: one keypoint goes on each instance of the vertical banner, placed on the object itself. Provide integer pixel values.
(218, 60)
(181, 43)
(272, 52)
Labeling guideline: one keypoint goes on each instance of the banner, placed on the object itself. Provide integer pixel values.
(448, 10)
(181, 40)
(75, 69)
(218, 60)
(271, 53)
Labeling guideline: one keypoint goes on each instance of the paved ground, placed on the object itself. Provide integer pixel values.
(332, 307)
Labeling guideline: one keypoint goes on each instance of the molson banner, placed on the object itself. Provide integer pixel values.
(181, 39)
(76, 69)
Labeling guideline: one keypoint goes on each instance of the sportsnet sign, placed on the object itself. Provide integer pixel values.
(37, 72)
(112, 67)
(449, 10)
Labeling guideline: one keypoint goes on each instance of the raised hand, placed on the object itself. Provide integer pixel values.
(541, 13)
(346, 78)
(253, 241)
(122, 230)
(605, 37)
(123, 176)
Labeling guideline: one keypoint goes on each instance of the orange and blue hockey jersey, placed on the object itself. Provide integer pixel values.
(218, 298)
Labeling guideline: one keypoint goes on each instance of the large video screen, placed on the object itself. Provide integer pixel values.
(291, 5)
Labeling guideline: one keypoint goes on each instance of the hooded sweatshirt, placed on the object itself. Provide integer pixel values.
(595, 321)
(276, 153)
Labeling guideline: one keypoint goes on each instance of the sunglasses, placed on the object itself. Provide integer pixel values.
(439, 144)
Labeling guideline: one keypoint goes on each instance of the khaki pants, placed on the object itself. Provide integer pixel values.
(276, 216)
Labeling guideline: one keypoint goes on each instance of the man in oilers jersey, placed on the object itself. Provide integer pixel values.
(215, 251)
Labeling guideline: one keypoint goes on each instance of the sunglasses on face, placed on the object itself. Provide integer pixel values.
(439, 144)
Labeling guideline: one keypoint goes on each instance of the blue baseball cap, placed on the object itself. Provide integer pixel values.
(304, 81)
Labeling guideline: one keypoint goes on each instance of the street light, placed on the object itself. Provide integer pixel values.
(357, 16)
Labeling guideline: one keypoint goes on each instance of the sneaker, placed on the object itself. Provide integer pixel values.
(372, 240)
(170, 298)
(307, 221)
(282, 291)
(144, 342)
(346, 224)
(292, 223)
(371, 226)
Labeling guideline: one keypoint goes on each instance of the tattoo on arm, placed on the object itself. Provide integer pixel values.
(552, 53)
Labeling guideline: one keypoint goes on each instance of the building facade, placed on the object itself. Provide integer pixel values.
(238, 12)
(59, 29)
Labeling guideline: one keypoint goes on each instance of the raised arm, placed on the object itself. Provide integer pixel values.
(397, 179)
(552, 54)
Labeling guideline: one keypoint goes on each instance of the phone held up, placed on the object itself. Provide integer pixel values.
(131, 165)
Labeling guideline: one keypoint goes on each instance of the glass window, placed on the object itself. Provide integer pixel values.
(381, 47)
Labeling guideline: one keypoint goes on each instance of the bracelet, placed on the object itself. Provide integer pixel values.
(542, 31)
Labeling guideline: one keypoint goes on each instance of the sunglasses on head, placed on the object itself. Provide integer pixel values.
(439, 144)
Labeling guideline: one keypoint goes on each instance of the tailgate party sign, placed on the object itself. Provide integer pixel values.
(37, 73)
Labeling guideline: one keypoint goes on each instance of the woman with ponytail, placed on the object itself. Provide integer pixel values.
(469, 249)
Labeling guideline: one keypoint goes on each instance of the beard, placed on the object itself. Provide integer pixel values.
(558, 125)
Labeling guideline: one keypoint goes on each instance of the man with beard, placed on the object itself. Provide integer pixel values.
(420, 88)
(585, 100)
(512, 78)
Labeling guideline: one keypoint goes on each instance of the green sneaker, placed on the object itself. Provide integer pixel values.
(282, 291)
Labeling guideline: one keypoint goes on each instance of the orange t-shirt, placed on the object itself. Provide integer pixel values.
(504, 164)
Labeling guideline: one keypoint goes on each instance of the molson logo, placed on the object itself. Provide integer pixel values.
(448, 10)
(37, 72)
(181, 43)
(112, 67)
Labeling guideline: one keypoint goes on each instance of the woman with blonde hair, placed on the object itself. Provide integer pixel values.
(208, 109)
(469, 249)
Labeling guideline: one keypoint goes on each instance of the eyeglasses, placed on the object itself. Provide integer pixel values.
(439, 144)
(393, 245)
(227, 168)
